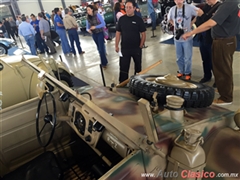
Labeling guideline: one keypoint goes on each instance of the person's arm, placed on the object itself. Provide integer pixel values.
(194, 20)
(143, 34)
(59, 24)
(88, 27)
(32, 30)
(19, 31)
(150, 4)
(57, 20)
(41, 29)
(117, 40)
(204, 27)
(199, 12)
(169, 17)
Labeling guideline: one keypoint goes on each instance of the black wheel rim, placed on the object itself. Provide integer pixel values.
(49, 119)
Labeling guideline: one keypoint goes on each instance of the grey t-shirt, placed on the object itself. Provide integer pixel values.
(44, 25)
(227, 18)
(190, 11)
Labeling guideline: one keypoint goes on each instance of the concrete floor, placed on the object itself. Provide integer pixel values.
(86, 67)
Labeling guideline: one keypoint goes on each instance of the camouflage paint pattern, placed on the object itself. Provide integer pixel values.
(214, 119)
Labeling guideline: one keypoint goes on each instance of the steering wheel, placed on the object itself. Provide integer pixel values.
(48, 121)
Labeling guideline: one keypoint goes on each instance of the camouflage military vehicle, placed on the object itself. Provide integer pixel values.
(123, 137)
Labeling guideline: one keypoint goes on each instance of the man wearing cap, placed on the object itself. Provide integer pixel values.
(26, 30)
(71, 26)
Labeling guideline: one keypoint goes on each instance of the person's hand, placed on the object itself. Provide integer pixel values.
(93, 27)
(141, 46)
(117, 49)
(42, 37)
(187, 35)
(90, 31)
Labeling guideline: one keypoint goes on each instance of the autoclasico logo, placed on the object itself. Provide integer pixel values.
(201, 174)
(186, 174)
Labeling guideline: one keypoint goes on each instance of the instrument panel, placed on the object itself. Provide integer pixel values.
(90, 130)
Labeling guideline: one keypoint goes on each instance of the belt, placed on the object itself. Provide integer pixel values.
(221, 38)
(72, 29)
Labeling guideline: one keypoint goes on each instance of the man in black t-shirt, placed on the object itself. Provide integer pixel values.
(225, 26)
(132, 31)
(205, 39)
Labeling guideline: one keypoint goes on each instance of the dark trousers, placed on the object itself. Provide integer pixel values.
(15, 30)
(99, 40)
(124, 62)
(222, 56)
(206, 53)
(73, 37)
(49, 42)
(40, 43)
(11, 33)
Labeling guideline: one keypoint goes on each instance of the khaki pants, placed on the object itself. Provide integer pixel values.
(49, 42)
(222, 59)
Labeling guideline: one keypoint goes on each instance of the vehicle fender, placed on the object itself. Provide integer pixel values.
(58, 65)
(6, 44)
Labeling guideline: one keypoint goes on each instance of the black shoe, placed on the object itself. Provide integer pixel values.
(203, 80)
(214, 85)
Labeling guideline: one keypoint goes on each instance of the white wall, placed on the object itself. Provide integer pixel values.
(49, 5)
(28, 7)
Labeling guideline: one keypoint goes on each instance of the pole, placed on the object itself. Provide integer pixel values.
(101, 69)
(20, 41)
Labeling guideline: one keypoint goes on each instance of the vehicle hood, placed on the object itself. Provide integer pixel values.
(17, 59)
(6, 40)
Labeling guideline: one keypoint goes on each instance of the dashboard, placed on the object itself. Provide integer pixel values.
(89, 129)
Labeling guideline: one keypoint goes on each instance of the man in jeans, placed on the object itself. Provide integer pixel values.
(225, 26)
(44, 28)
(180, 16)
(71, 26)
(26, 30)
(38, 39)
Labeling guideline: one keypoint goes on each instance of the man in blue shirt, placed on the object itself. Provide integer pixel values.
(60, 29)
(26, 30)
(40, 42)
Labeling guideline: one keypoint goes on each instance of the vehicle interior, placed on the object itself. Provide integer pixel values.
(105, 133)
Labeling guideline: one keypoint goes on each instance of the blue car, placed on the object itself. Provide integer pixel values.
(5, 44)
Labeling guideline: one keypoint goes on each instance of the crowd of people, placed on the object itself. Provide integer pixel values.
(217, 26)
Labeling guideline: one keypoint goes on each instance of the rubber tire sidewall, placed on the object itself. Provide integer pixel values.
(199, 97)
(6, 49)
(65, 78)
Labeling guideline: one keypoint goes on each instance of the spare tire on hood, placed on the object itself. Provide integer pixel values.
(196, 95)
